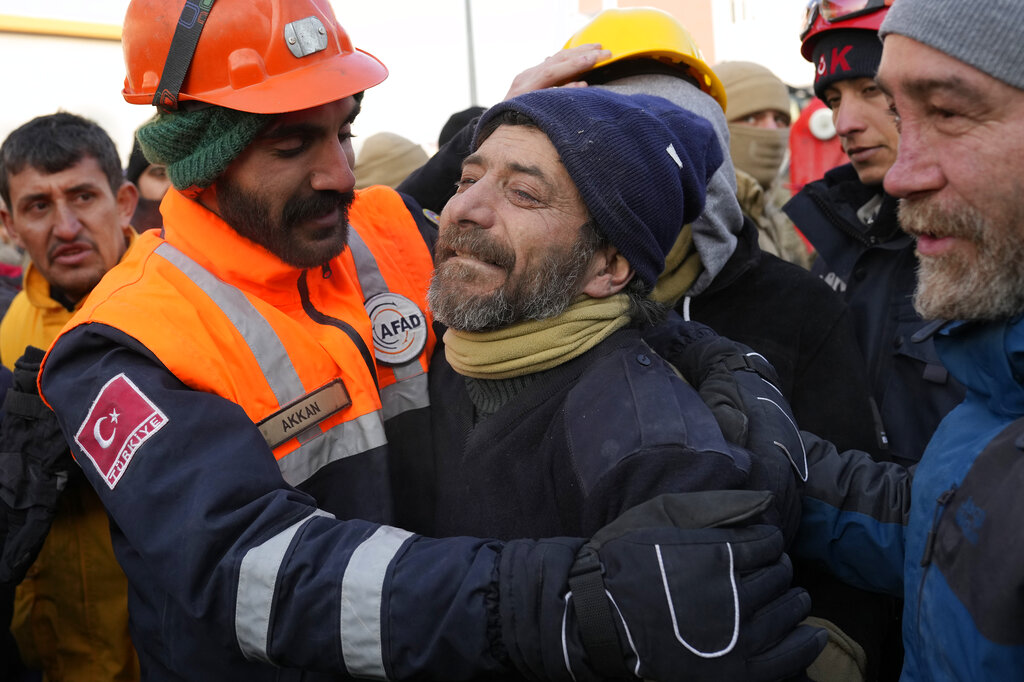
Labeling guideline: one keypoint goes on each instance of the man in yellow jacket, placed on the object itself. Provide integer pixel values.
(68, 206)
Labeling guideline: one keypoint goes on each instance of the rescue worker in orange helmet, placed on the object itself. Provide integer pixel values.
(248, 389)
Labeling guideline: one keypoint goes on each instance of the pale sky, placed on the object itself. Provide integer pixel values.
(422, 42)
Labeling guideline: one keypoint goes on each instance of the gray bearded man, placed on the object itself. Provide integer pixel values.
(946, 535)
(557, 416)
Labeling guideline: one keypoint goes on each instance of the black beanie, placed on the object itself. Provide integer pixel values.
(846, 54)
(457, 122)
(137, 163)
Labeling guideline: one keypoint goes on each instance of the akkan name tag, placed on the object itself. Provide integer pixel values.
(301, 414)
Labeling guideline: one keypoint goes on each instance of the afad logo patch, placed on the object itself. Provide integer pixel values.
(120, 420)
(399, 328)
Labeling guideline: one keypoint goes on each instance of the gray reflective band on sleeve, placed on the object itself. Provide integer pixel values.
(362, 591)
(370, 279)
(340, 441)
(405, 395)
(257, 578)
(259, 336)
(408, 370)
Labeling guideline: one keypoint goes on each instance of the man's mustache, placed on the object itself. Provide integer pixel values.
(475, 242)
(925, 216)
(315, 206)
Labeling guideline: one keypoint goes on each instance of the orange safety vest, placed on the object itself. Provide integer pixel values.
(296, 349)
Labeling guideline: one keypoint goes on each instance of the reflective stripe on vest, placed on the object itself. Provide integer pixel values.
(256, 579)
(362, 590)
(409, 392)
(263, 342)
(346, 439)
(317, 449)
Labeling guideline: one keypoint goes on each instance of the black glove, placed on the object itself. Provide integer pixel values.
(739, 385)
(34, 467)
(656, 595)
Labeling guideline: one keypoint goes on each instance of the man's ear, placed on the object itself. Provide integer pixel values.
(609, 272)
(8, 226)
(127, 200)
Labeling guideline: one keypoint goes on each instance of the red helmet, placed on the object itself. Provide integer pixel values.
(259, 56)
(830, 15)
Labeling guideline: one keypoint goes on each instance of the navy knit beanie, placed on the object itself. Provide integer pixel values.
(640, 163)
(844, 55)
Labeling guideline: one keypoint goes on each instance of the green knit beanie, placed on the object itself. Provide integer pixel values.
(198, 145)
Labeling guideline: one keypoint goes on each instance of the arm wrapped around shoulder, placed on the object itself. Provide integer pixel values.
(683, 587)
(738, 384)
(740, 387)
(35, 463)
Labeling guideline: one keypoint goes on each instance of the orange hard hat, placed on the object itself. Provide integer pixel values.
(259, 56)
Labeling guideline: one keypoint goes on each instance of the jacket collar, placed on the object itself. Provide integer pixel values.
(37, 287)
(831, 203)
(988, 358)
(211, 242)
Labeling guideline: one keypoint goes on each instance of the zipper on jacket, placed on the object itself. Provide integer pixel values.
(880, 434)
(940, 506)
(929, 548)
(327, 320)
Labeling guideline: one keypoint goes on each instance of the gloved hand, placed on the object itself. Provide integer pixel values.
(34, 467)
(678, 588)
(739, 386)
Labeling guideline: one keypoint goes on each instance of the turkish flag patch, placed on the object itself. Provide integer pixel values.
(120, 420)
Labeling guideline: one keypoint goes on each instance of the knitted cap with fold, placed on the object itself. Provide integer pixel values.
(985, 35)
(198, 145)
(387, 159)
(845, 55)
(751, 88)
(640, 163)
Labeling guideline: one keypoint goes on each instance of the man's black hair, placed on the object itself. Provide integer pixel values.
(55, 142)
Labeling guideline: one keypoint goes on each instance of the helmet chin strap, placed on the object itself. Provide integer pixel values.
(179, 57)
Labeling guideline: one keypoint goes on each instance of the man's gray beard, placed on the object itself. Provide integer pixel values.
(544, 292)
(950, 287)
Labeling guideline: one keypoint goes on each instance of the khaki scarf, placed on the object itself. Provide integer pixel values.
(536, 345)
(682, 267)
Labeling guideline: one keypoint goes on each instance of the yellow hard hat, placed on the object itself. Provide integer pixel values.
(648, 33)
